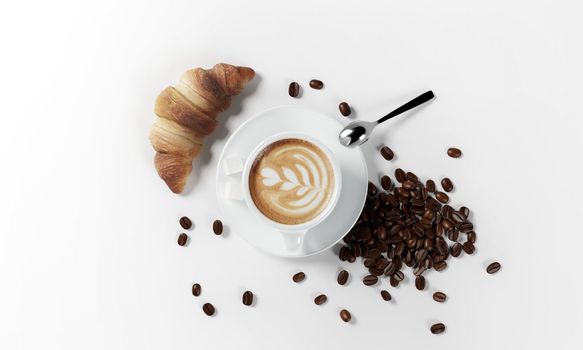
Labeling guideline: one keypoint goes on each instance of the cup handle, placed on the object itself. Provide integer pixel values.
(293, 240)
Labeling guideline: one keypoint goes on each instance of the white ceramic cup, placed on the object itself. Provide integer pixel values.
(293, 235)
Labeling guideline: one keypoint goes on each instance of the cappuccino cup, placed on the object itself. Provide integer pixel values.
(291, 181)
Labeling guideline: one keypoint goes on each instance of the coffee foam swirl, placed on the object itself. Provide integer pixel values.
(291, 181)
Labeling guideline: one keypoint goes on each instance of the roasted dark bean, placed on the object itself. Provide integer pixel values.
(298, 277)
(316, 84)
(320, 299)
(344, 109)
(387, 153)
(442, 197)
(466, 227)
(386, 183)
(440, 265)
(372, 189)
(196, 289)
(411, 176)
(247, 298)
(439, 297)
(342, 277)
(208, 309)
(400, 175)
(370, 280)
(420, 282)
(454, 152)
(437, 328)
(345, 315)
(185, 223)
(430, 184)
(182, 238)
(493, 267)
(294, 89)
(218, 227)
(447, 184)
(472, 237)
(456, 250)
(468, 247)
(385, 295)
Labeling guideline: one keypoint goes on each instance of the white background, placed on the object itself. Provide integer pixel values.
(88, 253)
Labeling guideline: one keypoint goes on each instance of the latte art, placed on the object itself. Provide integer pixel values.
(291, 181)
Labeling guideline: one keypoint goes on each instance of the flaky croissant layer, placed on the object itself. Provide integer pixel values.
(187, 112)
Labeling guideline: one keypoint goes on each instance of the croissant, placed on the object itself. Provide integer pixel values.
(187, 112)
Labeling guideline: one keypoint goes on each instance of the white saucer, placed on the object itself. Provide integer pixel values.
(325, 129)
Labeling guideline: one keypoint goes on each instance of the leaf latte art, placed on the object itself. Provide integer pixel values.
(291, 181)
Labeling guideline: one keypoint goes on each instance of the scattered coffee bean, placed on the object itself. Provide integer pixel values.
(400, 175)
(344, 109)
(185, 223)
(430, 184)
(316, 84)
(387, 153)
(370, 280)
(411, 176)
(447, 184)
(385, 182)
(320, 299)
(466, 227)
(385, 295)
(440, 265)
(442, 197)
(468, 247)
(420, 282)
(342, 277)
(456, 249)
(471, 237)
(345, 315)
(196, 289)
(493, 267)
(218, 227)
(208, 309)
(465, 211)
(298, 277)
(247, 298)
(454, 152)
(182, 238)
(343, 255)
(437, 328)
(294, 89)
(439, 297)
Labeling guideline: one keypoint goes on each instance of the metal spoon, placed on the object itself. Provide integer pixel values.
(356, 133)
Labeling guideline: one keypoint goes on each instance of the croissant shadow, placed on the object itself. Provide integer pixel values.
(220, 133)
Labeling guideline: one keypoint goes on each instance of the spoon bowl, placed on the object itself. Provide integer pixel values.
(356, 133)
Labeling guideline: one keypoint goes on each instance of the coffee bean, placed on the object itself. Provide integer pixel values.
(342, 277)
(320, 299)
(399, 276)
(298, 277)
(316, 84)
(385, 295)
(185, 223)
(447, 184)
(448, 225)
(458, 217)
(466, 227)
(400, 175)
(294, 89)
(437, 328)
(218, 227)
(456, 250)
(247, 298)
(465, 211)
(345, 315)
(439, 297)
(370, 280)
(372, 189)
(471, 237)
(208, 309)
(182, 238)
(343, 254)
(393, 281)
(196, 289)
(493, 267)
(468, 247)
(344, 109)
(387, 153)
(442, 197)
(440, 265)
(430, 184)
(420, 282)
(411, 176)
(454, 152)
(385, 182)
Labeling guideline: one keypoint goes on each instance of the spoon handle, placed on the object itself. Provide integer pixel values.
(419, 100)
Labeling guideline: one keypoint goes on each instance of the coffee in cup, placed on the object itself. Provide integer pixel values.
(292, 181)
